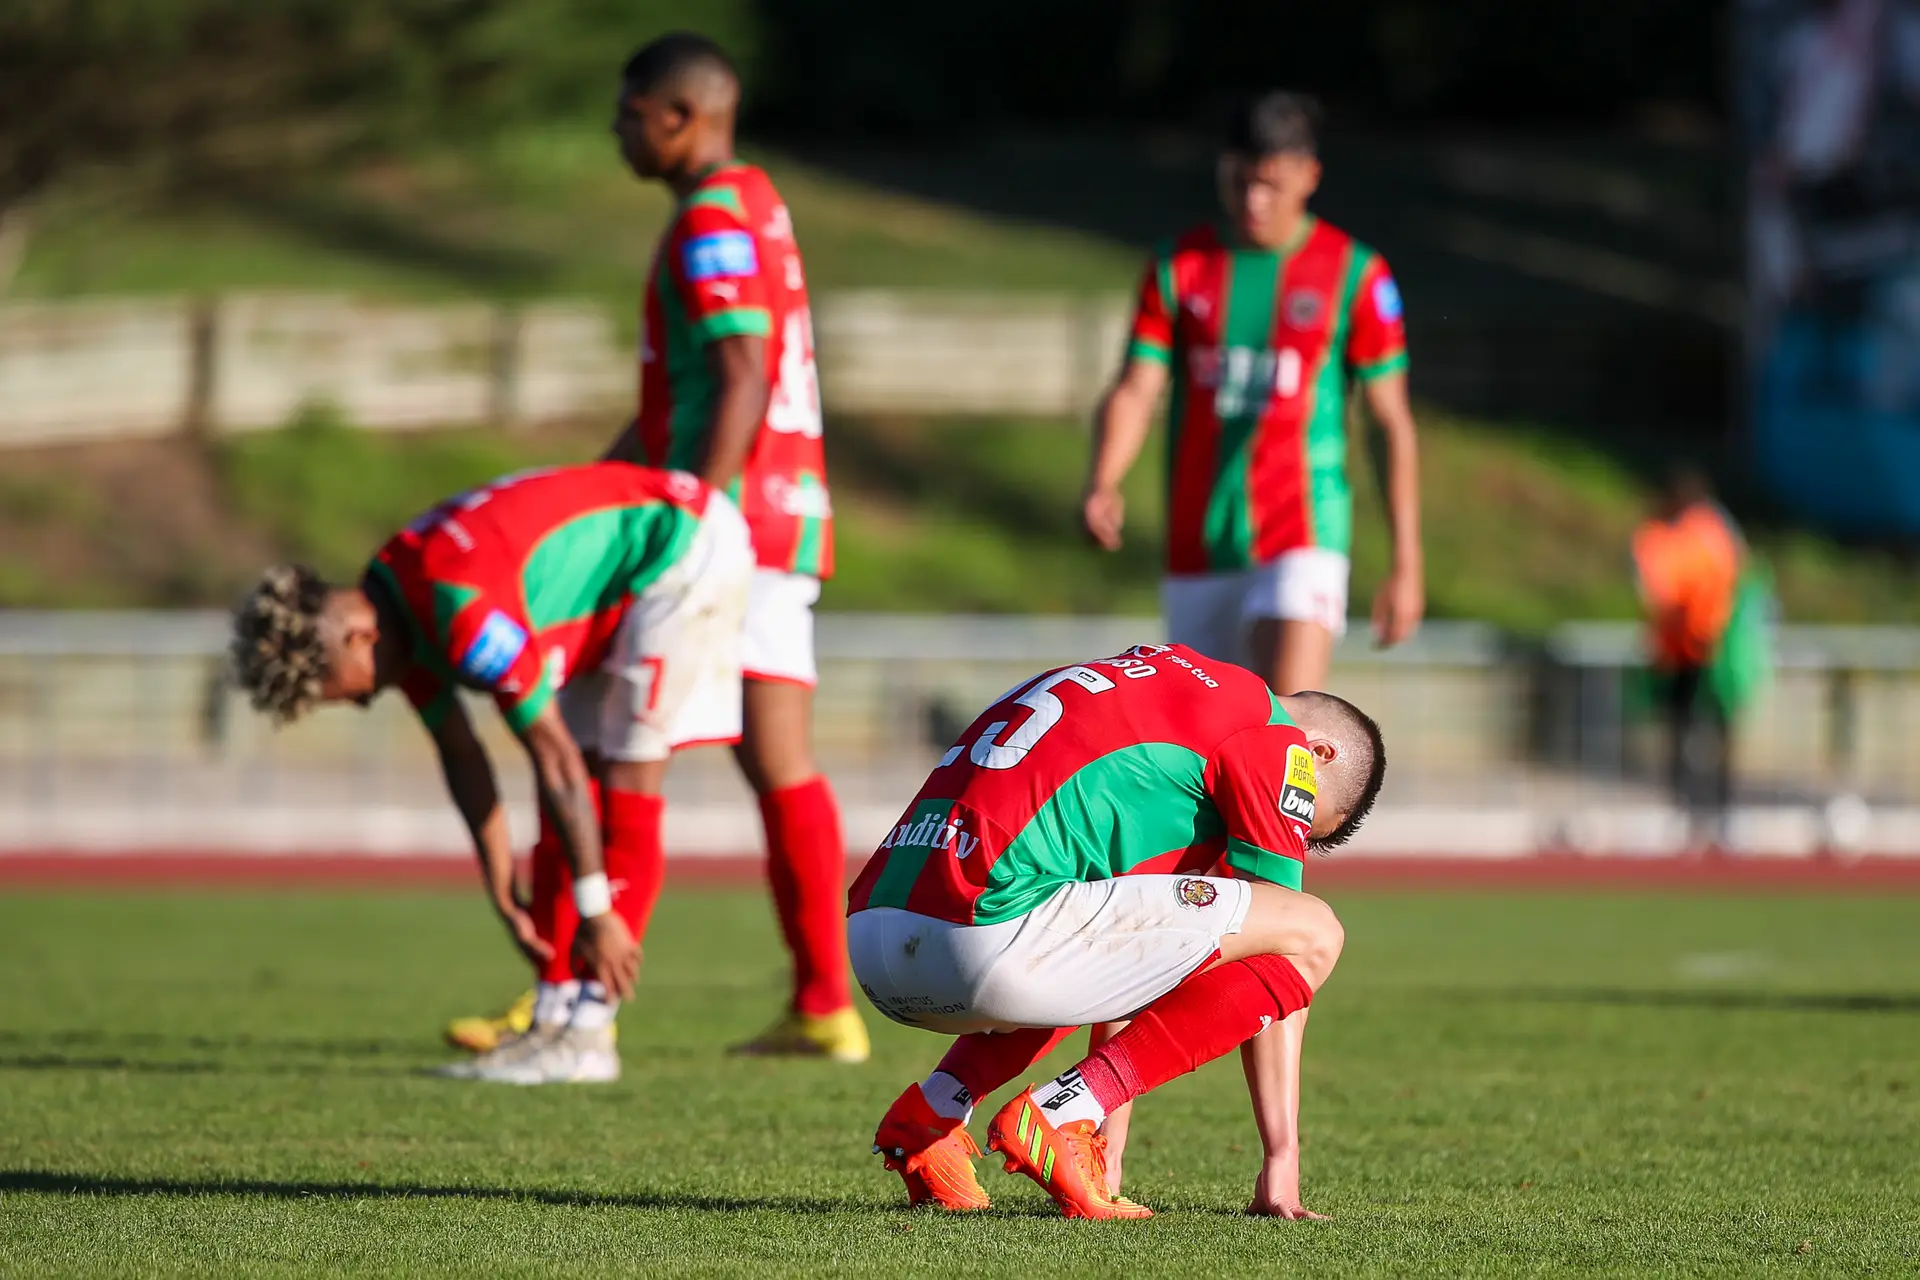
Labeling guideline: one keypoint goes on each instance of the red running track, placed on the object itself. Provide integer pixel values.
(188, 870)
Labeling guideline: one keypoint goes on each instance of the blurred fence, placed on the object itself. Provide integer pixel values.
(117, 731)
(72, 371)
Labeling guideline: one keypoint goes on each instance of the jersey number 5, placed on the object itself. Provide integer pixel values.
(1045, 710)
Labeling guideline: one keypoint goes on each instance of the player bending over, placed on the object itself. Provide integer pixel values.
(728, 392)
(1118, 839)
(600, 606)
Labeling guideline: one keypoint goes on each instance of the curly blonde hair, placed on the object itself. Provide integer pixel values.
(278, 654)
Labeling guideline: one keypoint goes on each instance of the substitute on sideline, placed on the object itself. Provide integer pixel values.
(1122, 838)
(1259, 329)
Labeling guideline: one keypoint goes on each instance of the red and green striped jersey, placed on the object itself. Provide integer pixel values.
(1261, 344)
(728, 265)
(515, 586)
(1155, 761)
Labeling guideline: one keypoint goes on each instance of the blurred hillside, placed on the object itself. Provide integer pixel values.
(1563, 232)
(1525, 528)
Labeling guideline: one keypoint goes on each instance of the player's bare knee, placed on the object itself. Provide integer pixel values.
(1325, 940)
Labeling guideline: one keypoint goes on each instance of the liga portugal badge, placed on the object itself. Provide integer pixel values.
(1196, 893)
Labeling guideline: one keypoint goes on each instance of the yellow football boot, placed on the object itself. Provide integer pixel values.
(483, 1035)
(839, 1035)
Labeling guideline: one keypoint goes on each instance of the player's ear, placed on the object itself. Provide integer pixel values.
(1324, 752)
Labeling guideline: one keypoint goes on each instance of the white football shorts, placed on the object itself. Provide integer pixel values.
(672, 676)
(1093, 952)
(1215, 612)
(778, 641)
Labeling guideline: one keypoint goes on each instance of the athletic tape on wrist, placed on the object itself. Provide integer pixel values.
(592, 896)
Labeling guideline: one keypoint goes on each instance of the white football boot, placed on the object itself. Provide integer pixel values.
(571, 1055)
(506, 1058)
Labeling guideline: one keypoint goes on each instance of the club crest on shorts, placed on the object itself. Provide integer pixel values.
(1196, 893)
(1301, 788)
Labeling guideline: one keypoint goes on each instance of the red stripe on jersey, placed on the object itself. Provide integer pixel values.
(1199, 309)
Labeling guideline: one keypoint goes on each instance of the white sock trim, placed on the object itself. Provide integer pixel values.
(1066, 1098)
(594, 1009)
(948, 1097)
(553, 1003)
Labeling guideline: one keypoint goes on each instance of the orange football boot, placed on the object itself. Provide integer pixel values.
(1069, 1163)
(931, 1153)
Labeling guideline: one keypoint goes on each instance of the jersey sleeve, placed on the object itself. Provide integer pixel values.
(1377, 332)
(1151, 335)
(1262, 782)
(491, 649)
(716, 268)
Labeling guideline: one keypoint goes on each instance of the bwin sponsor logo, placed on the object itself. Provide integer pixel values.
(933, 831)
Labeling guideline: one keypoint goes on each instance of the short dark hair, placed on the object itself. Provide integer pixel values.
(1362, 729)
(671, 58)
(1273, 122)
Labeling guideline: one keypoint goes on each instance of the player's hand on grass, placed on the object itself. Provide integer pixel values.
(605, 952)
(520, 924)
(1103, 513)
(1276, 1192)
(1398, 607)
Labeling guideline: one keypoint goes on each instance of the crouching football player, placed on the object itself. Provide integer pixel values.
(601, 607)
(1118, 839)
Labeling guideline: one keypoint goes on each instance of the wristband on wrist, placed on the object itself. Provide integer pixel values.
(592, 896)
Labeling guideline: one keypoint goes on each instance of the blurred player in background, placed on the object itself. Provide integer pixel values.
(1123, 838)
(601, 607)
(728, 392)
(1259, 328)
(1688, 557)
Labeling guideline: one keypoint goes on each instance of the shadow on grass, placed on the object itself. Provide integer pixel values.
(55, 1183)
(1780, 1001)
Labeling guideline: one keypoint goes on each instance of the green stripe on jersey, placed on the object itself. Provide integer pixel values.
(723, 196)
(807, 551)
(1246, 339)
(1331, 500)
(1114, 813)
(1278, 714)
(449, 598)
(1381, 368)
(594, 561)
(912, 843)
(1274, 868)
(690, 386)
(753, 322)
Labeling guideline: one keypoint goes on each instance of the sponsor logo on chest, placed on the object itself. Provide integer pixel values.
(933, 826)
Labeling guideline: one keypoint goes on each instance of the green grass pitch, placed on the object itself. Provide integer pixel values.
(225, 1083)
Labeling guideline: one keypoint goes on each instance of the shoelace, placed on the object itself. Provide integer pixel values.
(1090, 1155)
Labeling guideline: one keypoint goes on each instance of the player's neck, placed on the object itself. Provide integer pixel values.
(702, 160)
(1285, 233)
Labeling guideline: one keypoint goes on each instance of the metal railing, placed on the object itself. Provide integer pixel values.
(119, 728)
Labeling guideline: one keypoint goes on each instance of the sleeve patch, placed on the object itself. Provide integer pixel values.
(494, 649)
(721, 253)
(1302, 786)
(1386, 299)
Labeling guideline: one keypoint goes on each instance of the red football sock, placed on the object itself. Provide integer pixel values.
(552, 908)
(636, 861)
(1195, 1022)
(807, 869)
(985, 1060)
